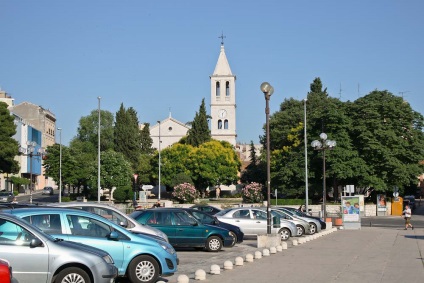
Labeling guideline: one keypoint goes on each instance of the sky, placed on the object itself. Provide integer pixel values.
(157, 55)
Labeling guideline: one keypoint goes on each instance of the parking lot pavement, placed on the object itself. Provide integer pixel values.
(192, 260)
(372, 254)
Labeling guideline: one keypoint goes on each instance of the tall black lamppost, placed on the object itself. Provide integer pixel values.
(323, 144)
(268, 90)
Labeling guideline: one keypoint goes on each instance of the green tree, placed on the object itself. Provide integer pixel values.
(146, 140)
(213, 162)
(199, 132)
(255, 171)
(388, 136)
(89, 125)
(174, 162)
(9, 146)
(127, 135)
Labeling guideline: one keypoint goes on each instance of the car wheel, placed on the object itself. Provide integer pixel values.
(285, 234)
(213, 244)
(300, 230)
(234, 236)
(72, 275)
(312, 228)
(144, 269)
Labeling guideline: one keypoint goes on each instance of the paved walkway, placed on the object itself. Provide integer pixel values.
(367, 255)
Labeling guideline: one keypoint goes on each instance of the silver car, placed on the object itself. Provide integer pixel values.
(302, 226)
(253, 221)
(6, 196)
(315, 225)
(38, 257)
(115, 215)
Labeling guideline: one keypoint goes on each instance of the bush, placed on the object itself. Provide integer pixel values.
(121, 194)
(185, 193)
(252, 193)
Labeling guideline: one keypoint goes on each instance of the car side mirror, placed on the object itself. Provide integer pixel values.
(113, 235)
(35, 242)
(123, 224)
(194, 223)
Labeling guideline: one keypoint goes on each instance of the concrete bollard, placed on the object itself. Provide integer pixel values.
(273, 250)
(239, 261)
(258, 255)
(279, 248)
(215, 269)
(295, 242)
(182, 278)
(249, 258)
(228, 265)
(284, 245)
(265, 252)
(200, 274)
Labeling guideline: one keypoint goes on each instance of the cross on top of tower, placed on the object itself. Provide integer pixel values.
(222, 38)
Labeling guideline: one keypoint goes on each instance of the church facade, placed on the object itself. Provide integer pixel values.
(222, 110)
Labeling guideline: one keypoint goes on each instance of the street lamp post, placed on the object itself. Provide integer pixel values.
(159, 162)
(31, 145)
(306, 159)
(98, 155)
(323, 144)
(268, 90)
(60, 164)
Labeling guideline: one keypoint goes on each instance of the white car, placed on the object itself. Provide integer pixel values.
(115, 215)
(253, 221)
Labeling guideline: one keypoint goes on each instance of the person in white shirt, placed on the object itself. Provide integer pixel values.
(407, 215)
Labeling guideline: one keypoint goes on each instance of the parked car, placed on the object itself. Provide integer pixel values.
(208, 219)
(314, 225)
(6, 196)
(302, 226)
(304, 214)
(48, 191)
(184, 230)
(38, 257)
(115, 215)
(5, 271)
(209, 209)
(142, 258)
(253, 221)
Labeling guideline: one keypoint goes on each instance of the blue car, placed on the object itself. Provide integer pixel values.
(139, 257)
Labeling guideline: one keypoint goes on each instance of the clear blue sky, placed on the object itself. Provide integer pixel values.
(158, 55)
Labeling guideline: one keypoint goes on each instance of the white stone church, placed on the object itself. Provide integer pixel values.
(222, 111)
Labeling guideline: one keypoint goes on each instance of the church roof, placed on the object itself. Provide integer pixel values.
(222, 67)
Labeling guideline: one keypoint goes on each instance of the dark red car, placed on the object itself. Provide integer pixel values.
(5, 271)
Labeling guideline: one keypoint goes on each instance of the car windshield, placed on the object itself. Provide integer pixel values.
(223, 212)
(4, 194)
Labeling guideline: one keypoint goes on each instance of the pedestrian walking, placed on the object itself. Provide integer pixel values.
(407, 216)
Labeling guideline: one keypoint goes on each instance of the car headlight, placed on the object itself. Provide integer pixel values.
(108, 259)
(167, 247)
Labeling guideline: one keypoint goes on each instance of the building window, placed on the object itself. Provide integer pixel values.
(169, 129)
(218, 89)
(227, 88)
(226, 124)
(219, 124)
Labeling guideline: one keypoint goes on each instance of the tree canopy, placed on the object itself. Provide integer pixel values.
(379, 137)
(199, 131)
(8, 145)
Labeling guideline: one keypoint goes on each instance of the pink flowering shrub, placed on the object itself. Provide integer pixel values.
(252, 193)
(185, 193)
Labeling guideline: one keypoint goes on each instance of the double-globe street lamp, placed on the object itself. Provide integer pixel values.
(323, 144)
(31, 151)
(268, 90)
